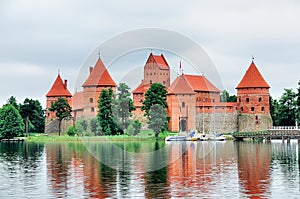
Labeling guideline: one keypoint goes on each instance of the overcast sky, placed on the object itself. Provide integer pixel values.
(38, 37)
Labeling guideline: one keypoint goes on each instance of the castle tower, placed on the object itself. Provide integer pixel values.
(156, 69)
(98, 80)
(58, 89)
(253, 101)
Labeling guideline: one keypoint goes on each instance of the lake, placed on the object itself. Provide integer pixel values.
(150, 170)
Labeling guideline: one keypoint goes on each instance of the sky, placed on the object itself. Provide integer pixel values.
(38, 38)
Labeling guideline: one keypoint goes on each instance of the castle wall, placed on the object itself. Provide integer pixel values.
(254, 122)
(51, 125)
(218, 122)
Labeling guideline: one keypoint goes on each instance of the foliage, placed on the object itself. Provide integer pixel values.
(298, 103)
(156, 94)
(72, 131)
(13, 101)
(158, 120)
(274, 111)
(107, 124)
(93, 125)
(83, 124)
(133, 128)
(11, 123)
(35, 113)
(226, 97)
(124, 105)
(287, 108)
(137, 126)
(62, 111)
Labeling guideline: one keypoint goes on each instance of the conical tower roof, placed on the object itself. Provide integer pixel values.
(59, 89)
(253, 79)
(99, 76)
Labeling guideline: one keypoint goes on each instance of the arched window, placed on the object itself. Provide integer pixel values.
(150, 81)
(252, 108)
(242, 109)
(92, 109)
(260, 99)
(247, 99)
(183, 104)
(91, 100)
(262, 108)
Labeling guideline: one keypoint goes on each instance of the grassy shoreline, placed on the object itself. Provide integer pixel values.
(144, 136)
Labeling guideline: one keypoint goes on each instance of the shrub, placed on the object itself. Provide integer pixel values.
(72, 131)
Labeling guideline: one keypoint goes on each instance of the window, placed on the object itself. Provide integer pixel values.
(260, 99)
(240, 100)
(164, 82)
(91, 100)
(154, 73)
(256, 117)
(150, 81)
(252, 108)
(92, 109)
(183, 104)
(262, 108)
(247, 99)
(242, 109)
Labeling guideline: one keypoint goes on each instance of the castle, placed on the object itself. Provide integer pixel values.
(193, 101)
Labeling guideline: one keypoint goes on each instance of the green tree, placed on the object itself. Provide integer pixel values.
(33, 115)
(226, 97)
(62, 111)
(158, 120)
(124, 105)
(287, 108)
(106, 121)
(13, 101)
(156, 94)
(298, 103)
(274, 111)
(93, 125)
(11, 123)
(137, 126)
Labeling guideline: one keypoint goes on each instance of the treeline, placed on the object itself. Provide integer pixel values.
(286, 110)
(17, 119)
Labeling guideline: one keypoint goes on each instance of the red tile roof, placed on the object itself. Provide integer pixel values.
(99, 76)
(200, 83)
(180, 86)
(142, 88)
(59, 89)
(253, 79)
(159, 60)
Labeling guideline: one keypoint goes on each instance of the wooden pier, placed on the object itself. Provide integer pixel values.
(276, 132)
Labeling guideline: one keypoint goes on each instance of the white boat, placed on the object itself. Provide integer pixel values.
(176, 138)
(208, 137)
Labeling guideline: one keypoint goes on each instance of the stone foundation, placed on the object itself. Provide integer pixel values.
(218, 122)
(254, 122)
(51, 126)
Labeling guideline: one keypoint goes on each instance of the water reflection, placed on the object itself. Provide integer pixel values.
(195, 170)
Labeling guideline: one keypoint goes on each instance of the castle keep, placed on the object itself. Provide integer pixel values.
(193, 101)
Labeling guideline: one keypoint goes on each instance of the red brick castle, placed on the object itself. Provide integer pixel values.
(193, 101)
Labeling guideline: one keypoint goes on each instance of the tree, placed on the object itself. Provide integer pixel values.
(62, 111)
(158, 120)
(12, 101)
(287, 108)
(298, 103)
(93, 125)
(274, 111)
(106, 121)
(124, 105)
(156, 94)
(33, 115)
(226, 97)
(11, 123)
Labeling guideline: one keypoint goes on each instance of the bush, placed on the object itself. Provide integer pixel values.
(72, 131)
(137, 127)
(130, 130)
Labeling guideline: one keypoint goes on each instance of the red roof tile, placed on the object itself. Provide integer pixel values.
(180, 86)
(253, 79)
(142, 88)
(200, 83)
(59, 89)
(99, 76)
(159, 60)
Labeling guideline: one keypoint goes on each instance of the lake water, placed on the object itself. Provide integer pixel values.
(150, 170)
